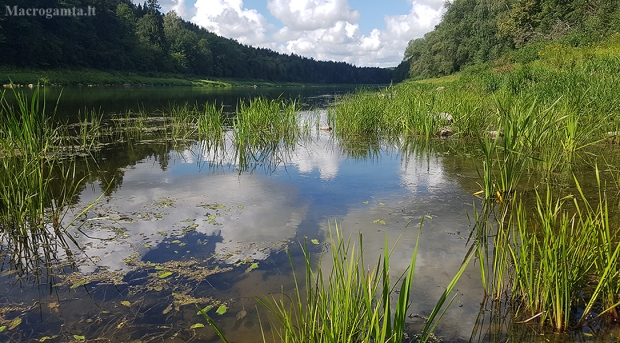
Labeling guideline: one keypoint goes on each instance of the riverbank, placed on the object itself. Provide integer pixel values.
(97, 78)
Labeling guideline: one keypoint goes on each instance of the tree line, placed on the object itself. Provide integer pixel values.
(139, 38)
(481, 31)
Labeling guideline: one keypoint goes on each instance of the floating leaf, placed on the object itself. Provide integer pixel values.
(176, 241)
(240, 207)
(79, 338)
(45, 338)
(2, 328)
(188, 220)
(254, 265)
(147, 245)
(429, 216)
(197, 326)
(366, 202)
(221, 310)
(164, 275)
(314, 241)
(126, 303)
(205, 310)
(167, 309)
(120, 325)
(382, 204)
(14, 323)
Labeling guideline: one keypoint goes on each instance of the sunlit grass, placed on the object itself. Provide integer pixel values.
(559, 263)
(351, 302)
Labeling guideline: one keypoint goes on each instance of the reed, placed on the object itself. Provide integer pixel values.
(350, 303)
(26, 127)
(561, 260)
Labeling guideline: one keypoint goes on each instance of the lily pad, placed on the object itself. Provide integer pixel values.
(315, 241)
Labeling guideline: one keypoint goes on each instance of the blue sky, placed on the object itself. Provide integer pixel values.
(361, 32)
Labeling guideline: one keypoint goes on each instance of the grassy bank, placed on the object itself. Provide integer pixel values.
(61, 77)
(92, 78)
(554, 255)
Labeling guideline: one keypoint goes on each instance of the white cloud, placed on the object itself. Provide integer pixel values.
(309, 15)
(229, 18)
(329, 30)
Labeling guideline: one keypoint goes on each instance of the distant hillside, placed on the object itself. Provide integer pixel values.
(124, 37)
(479, 31)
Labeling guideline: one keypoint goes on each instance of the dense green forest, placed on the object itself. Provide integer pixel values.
(123, 36)
(486, 31)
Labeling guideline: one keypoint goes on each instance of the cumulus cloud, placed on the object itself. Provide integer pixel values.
(229, 18)
(329, 30)
(309, 15)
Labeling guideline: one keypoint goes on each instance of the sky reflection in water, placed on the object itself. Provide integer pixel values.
(249, 215)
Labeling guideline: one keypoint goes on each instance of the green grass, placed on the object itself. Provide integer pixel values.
(558, 264)
(351, 302)
(101, 78)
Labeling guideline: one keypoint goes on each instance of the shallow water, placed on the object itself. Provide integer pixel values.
(184, 226)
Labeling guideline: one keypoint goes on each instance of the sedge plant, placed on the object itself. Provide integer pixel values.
(349, 303)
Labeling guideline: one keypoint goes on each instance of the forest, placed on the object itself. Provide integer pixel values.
(497, 31)
(126, 37)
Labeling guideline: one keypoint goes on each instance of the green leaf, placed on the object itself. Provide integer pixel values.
(314, 241)
(253, 266)
(2, 328)
(382, 204)
(240, 207)
(366, 202)
(126, 303)
(45, 338)
(14, 323)
(164, 275)
(221, 310)
(176, 241)
(205, 310)
(197, 326)
(79, 338)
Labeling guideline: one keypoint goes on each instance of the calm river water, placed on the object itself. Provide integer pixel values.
(183, 225)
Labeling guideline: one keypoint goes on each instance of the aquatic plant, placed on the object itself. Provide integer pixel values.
(561, 260)
(350, 303)
(25, 126)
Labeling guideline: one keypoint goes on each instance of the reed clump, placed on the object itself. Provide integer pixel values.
(349, 303)
(559, 264)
